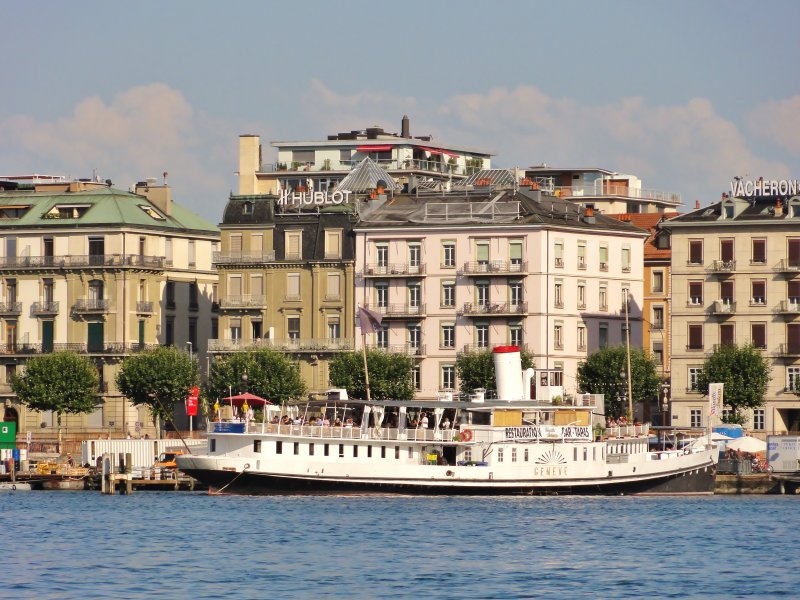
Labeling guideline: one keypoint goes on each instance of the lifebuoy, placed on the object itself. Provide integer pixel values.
(466, 435)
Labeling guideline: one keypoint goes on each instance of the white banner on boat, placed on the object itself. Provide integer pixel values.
(549, 432)
(715, 400)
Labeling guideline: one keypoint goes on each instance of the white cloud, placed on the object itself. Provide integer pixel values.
(778, 121)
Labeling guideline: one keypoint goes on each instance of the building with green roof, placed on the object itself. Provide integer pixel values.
(106, 273)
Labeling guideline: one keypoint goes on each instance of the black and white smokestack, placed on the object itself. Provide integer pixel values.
(405, 127)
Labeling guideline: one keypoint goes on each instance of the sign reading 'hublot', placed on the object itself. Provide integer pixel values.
(313, 198)
(744, 188)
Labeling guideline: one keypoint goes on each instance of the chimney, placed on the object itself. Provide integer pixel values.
(696, 204)
(405, 127)
(588, 216)
(159, 195)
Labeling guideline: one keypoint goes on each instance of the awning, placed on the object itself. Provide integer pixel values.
(437, 151)
(375, 148)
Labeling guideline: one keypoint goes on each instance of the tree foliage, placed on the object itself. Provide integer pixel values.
(604, 372)
(270, 374)
(158, 378)
(476, 370)
(389, 375)
(745, 372)
(62, 382)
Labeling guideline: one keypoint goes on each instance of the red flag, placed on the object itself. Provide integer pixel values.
(370, 321)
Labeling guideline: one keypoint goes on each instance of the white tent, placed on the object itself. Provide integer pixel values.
(748, 444)
(715, 437)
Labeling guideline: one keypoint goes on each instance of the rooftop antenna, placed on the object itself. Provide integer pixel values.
(165, 174)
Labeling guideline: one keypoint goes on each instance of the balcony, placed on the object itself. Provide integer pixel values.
(722, 267)
(657, 326)
(399, 311)
(239, 258)
(723, 308)
(114, 261)
(407, 349)
(21, 349)
(602, 189)
(494, 267)
(604, 266)
(497, 309)
(394, 270)
(44, 308)
(243, 301)
(788, 267)
(285, 345)
(144, 308)
(789, 350)
(790, 307)
(10, 308)
(91, 306)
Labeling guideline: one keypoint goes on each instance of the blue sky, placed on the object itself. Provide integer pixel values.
(683, 94)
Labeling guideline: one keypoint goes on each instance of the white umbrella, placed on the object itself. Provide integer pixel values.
(715, 437)
(748, 444)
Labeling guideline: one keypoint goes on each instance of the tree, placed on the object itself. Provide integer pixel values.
(476, 369)
(62, 382)
(270, 374)
(158, 379)
(389, 374)
(604, 372)
(745, 372)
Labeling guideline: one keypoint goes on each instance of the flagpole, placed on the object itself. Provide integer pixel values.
(366, 370)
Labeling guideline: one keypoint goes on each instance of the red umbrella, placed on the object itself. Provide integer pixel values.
(251, 399)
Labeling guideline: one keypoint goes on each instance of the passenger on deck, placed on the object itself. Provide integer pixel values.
(348, 423)
(424, 422)
(337, 422)
(326, 422)
(446, 423)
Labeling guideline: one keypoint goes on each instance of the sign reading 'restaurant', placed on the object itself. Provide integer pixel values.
(548, 432)
(745, 188)
(313, 198)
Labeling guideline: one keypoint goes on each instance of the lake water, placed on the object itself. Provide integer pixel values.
(182, 545)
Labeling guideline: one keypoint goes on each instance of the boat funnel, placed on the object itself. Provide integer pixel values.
(508, 373)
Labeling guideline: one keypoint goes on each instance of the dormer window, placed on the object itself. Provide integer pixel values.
(13, 212)
(152, 212)
(67, 211)
(727, 211)
(794, 207)
(247, 208)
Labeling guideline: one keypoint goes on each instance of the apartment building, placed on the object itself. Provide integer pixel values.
(736, 279)
(105, 273)
(485, 266)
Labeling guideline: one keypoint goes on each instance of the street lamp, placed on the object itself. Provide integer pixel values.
(244, 381)
(665, 404)
(190, 350)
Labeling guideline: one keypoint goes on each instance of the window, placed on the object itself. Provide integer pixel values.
(581, 295)
(482, 253)
(758, 335)
(602, 338)
(334, 328)
(168, 251)
(482, 335)
(558, 294)
(257, 446)
(382, 336)
(515, 255)
(413, 295)
(381, 294)
(448, 254)
(558, 336)
(726, 251)
(658, 318)
(192, 257)
(293, 245)
(448, 377)
(759, 292)
(513, 454)
(558, 253)
(235, 285)
(448, 335)
(658, 354)
(448, 294)
(194, 294)
(695, 252)
(696, 417)
(293, 328)
(581, 337)
(414, 257)
(235, 328)
(48, 291)
(604, 257)
(278, 447)
(48, 247)
(169, 331)
(727, 334)
(793, 292)
(603, 297)
(333, 244)
(382, 255)
(293, 286)
(332, 292)
(792, 379)
(415, 380)
(696, 293)
(794, 252)
(581, 254)
(695, 336)
(193, 331)
(793, 338)
(414, 332)
(515, 333)
(657, 283)
(759, 419)
(759, 255)
(515, 292)
(726, 292)
(694, 376)
(626, 259)
(499, 455)
(255, 329)
(482, 293)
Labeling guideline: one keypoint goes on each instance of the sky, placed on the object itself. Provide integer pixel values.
(683, 94)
